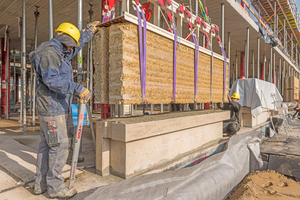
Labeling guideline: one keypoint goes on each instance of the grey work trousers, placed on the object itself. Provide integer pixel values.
(231, 128)
(52, 159)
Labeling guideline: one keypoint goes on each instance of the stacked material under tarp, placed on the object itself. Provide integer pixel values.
(291, 89)
(211, 179)
(122, 66)
(251, 91)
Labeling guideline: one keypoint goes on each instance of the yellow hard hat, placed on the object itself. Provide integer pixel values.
(70, 30)
(235, 96)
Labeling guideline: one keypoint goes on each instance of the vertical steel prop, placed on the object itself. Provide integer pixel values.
(36, 14)
(23, 63)
(247, 51)
(258, 56)
(91, 66)
(229, 64)
(15, 81)
(50, 20)
(7, 72)
(270, 67)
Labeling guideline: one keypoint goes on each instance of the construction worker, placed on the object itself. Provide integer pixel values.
(55, 90)
(231, 126)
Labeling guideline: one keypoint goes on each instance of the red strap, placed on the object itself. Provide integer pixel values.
(168, 2)
(53, 131)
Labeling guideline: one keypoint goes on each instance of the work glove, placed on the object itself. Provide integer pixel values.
(84, 95)
(92, 26)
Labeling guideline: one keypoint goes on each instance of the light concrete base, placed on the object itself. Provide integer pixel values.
(128, 150)
(247, 120)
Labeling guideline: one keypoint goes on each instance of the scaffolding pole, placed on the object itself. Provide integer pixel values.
(229, 64)
(90, 67)
(15, 81)
(23, 63)
(282, 80)
(247, 53)
(270, 68)
(258, 56)
(274, 68)
(50, 20)
(7, 73)
(36, 14)
(79, 55)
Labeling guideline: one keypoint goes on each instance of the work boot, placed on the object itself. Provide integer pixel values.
(79, 160)
(38, 190)
(64, 194)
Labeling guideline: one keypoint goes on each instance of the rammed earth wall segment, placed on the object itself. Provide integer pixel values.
(124, 69)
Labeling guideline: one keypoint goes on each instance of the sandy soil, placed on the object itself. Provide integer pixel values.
(266, 185)
(157, 117)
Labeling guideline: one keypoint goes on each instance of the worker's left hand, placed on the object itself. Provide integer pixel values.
(92, 26)
(84, 95)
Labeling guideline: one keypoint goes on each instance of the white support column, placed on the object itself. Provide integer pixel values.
(279, 77)
(265, 60)
(253, 64)
(283, 75)
(247, 48)
(228, 56)
(236, 66)
(179, 26)
(271, 65)
(274, 68)
(156, 15)
(258, 56)
(223, 23)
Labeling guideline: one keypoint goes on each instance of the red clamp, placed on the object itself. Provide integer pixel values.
(148, 12)
(213, 30)
(198, 21)
(160, 2)
(219, 39)
(189, 24)
(207, 38)
(170, 18)
(180, 9)
(187, 13)
(203, 22)
(169, 2)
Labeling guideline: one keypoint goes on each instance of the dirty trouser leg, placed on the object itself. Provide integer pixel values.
(57, 154)
(71, 132)
(42, 164)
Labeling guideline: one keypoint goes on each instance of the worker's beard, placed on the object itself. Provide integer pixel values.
(65, 51)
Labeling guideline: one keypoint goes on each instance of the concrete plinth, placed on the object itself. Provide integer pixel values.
(128, 149)
(247, 120)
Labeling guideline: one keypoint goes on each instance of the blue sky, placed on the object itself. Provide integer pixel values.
(298, 4)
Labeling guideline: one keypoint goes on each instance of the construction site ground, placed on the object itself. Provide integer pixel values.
(17, 162)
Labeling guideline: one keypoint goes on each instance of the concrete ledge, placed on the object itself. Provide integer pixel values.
(129, 149)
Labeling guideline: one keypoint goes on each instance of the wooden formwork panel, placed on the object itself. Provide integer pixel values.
(124, 70)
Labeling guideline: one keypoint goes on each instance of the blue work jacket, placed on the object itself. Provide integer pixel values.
(55, 83)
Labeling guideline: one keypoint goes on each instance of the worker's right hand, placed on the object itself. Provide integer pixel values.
(92, 26)
(84, 95)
